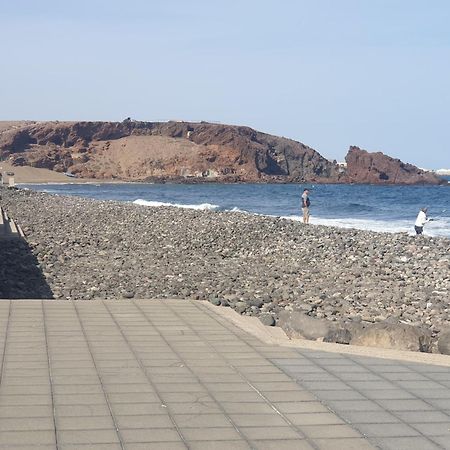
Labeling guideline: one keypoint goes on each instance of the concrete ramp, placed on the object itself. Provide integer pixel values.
(8, 227)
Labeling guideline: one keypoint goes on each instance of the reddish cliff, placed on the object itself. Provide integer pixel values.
(131, 150)
(377, 168)
(174, 150)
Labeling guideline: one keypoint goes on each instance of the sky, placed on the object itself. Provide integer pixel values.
(328, 73)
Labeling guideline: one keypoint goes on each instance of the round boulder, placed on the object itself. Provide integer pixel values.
(267, 319)
(298, 325)
(444, 343)
(394, 336)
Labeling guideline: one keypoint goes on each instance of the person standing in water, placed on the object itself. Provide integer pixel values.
(421, 220)
(305, 205)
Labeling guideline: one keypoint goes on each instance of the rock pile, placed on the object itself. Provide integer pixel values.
(348, 280)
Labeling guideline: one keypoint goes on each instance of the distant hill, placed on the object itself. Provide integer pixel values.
(189, 152)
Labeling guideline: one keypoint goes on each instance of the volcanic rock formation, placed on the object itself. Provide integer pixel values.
(183, 151)
(377, 168)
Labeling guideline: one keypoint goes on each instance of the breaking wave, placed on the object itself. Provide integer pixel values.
(201, 206)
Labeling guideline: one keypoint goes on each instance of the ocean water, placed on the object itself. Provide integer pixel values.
(371, 207)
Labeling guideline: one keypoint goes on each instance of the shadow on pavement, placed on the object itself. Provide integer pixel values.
(20, 275)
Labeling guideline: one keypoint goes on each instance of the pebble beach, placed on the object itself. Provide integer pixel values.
(260, 266)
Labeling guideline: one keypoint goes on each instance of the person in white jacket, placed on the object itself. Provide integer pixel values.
(421, 220)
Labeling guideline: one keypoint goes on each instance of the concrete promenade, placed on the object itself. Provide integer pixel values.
(173, 374)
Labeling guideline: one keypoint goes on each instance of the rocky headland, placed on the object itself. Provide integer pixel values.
(337, 285)
(190, 152)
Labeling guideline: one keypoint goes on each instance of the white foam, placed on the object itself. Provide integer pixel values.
(201, 206)
(440, 227)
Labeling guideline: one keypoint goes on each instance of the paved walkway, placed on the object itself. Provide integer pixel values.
(152, 374)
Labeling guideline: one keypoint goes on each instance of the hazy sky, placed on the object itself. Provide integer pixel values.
(329, 73)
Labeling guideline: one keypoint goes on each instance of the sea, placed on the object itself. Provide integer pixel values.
(367, 207)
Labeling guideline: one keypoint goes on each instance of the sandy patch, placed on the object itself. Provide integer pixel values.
(27, 174)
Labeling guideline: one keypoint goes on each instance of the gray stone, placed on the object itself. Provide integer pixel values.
(444, 343)
(215, 301)
(240, 307)
(395, 336)
(128, 294)
(339, 336)
(267, 319)
(299, 325)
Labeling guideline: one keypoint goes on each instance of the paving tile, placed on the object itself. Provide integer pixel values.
(353, 405)
(65, 389)
(339, 395)
(284, 386)
(229, 387)
(387, 394)
(247, 408)
(292, 396)
(217, 445)
(300, 407)
(405, 443)
(360, 376)
(421, 417)
(211, 434)
(285, 444)
(386, 429)
(26, 411)
(25, 400)
(187, 397)
(24, 381)
(173, 445)
(79, 399)
(201, 420)
(258, 420)
(405, 405)
(133, 397)
(26, 424)
(442, 441)
(238, 397)
(85, 423)
(440, 403)
(325, 385)
(434, 429)
(371, 385)
(270, 433)
(423, 384)
(144, 421)
(184, 387)
(133, 409)
(194, 408)
(108, 446)
(374, 417)
(34, 437)
(405, 376)
(314, 419)
(82, 410)
(99, 436)
(28, 447)
(149, 435)
(344, 444)
(329, 431)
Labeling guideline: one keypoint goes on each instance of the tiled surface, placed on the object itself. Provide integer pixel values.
(394, 404)
(152, 374)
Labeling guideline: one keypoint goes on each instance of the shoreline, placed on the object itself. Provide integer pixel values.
(340, 279)
(34, 175)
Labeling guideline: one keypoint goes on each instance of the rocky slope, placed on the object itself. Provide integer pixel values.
(346, 286)
(182, 151)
